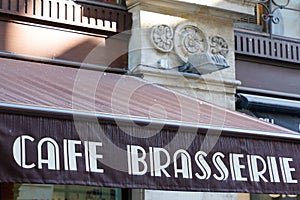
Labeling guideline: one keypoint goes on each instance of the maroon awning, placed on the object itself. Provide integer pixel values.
(69, 89)
(75, 126)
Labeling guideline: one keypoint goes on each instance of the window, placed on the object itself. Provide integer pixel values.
(273, 197)
(287, 19)
(285, 14)
(58, 192)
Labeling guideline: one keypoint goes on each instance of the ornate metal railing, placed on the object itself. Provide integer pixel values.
(69, 13)
(270, 7)
(261, 45)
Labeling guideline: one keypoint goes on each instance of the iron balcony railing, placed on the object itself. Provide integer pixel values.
(69, 13)
(261, 45)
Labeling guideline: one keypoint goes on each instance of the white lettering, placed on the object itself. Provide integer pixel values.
(258, 174)
(19, 151)
(66, 161)
(136, 161)
(52, 159)
(48, 153)
(273, 169)
(93, 156)
(159, 161)
(287, 170)
(236, 167)
(158, 166)
(250, 167)
(203, 165)
(186, 164)
(221, 167)
(72, 154)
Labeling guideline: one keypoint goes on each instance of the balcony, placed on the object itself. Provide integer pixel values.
(109, 18)
(79, 33)
(261, 45)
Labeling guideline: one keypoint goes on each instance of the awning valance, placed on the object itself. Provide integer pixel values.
(75, 126)
(270, 104)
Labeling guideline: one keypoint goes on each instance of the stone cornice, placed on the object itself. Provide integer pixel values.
(185, 77)
(230, 9)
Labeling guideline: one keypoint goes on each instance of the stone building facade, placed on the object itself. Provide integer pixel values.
(164, 35)
(152, 57)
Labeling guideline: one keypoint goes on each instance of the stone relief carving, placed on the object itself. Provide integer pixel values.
(218, 45)
(189, 39)
(162, 37)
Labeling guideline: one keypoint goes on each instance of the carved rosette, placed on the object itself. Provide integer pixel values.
(189, 40)
(162, 37)
(218, 45)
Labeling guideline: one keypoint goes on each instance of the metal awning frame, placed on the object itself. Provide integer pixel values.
(86, 115)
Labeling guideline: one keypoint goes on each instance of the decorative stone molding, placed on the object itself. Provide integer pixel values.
(162, 37)
(218, 45)
(225, 10)
(189, 39)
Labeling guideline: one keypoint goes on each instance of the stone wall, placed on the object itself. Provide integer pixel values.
(161, 43)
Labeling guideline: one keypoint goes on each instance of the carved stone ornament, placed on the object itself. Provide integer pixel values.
(189, 39)
(162, 37)
(218, 45)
